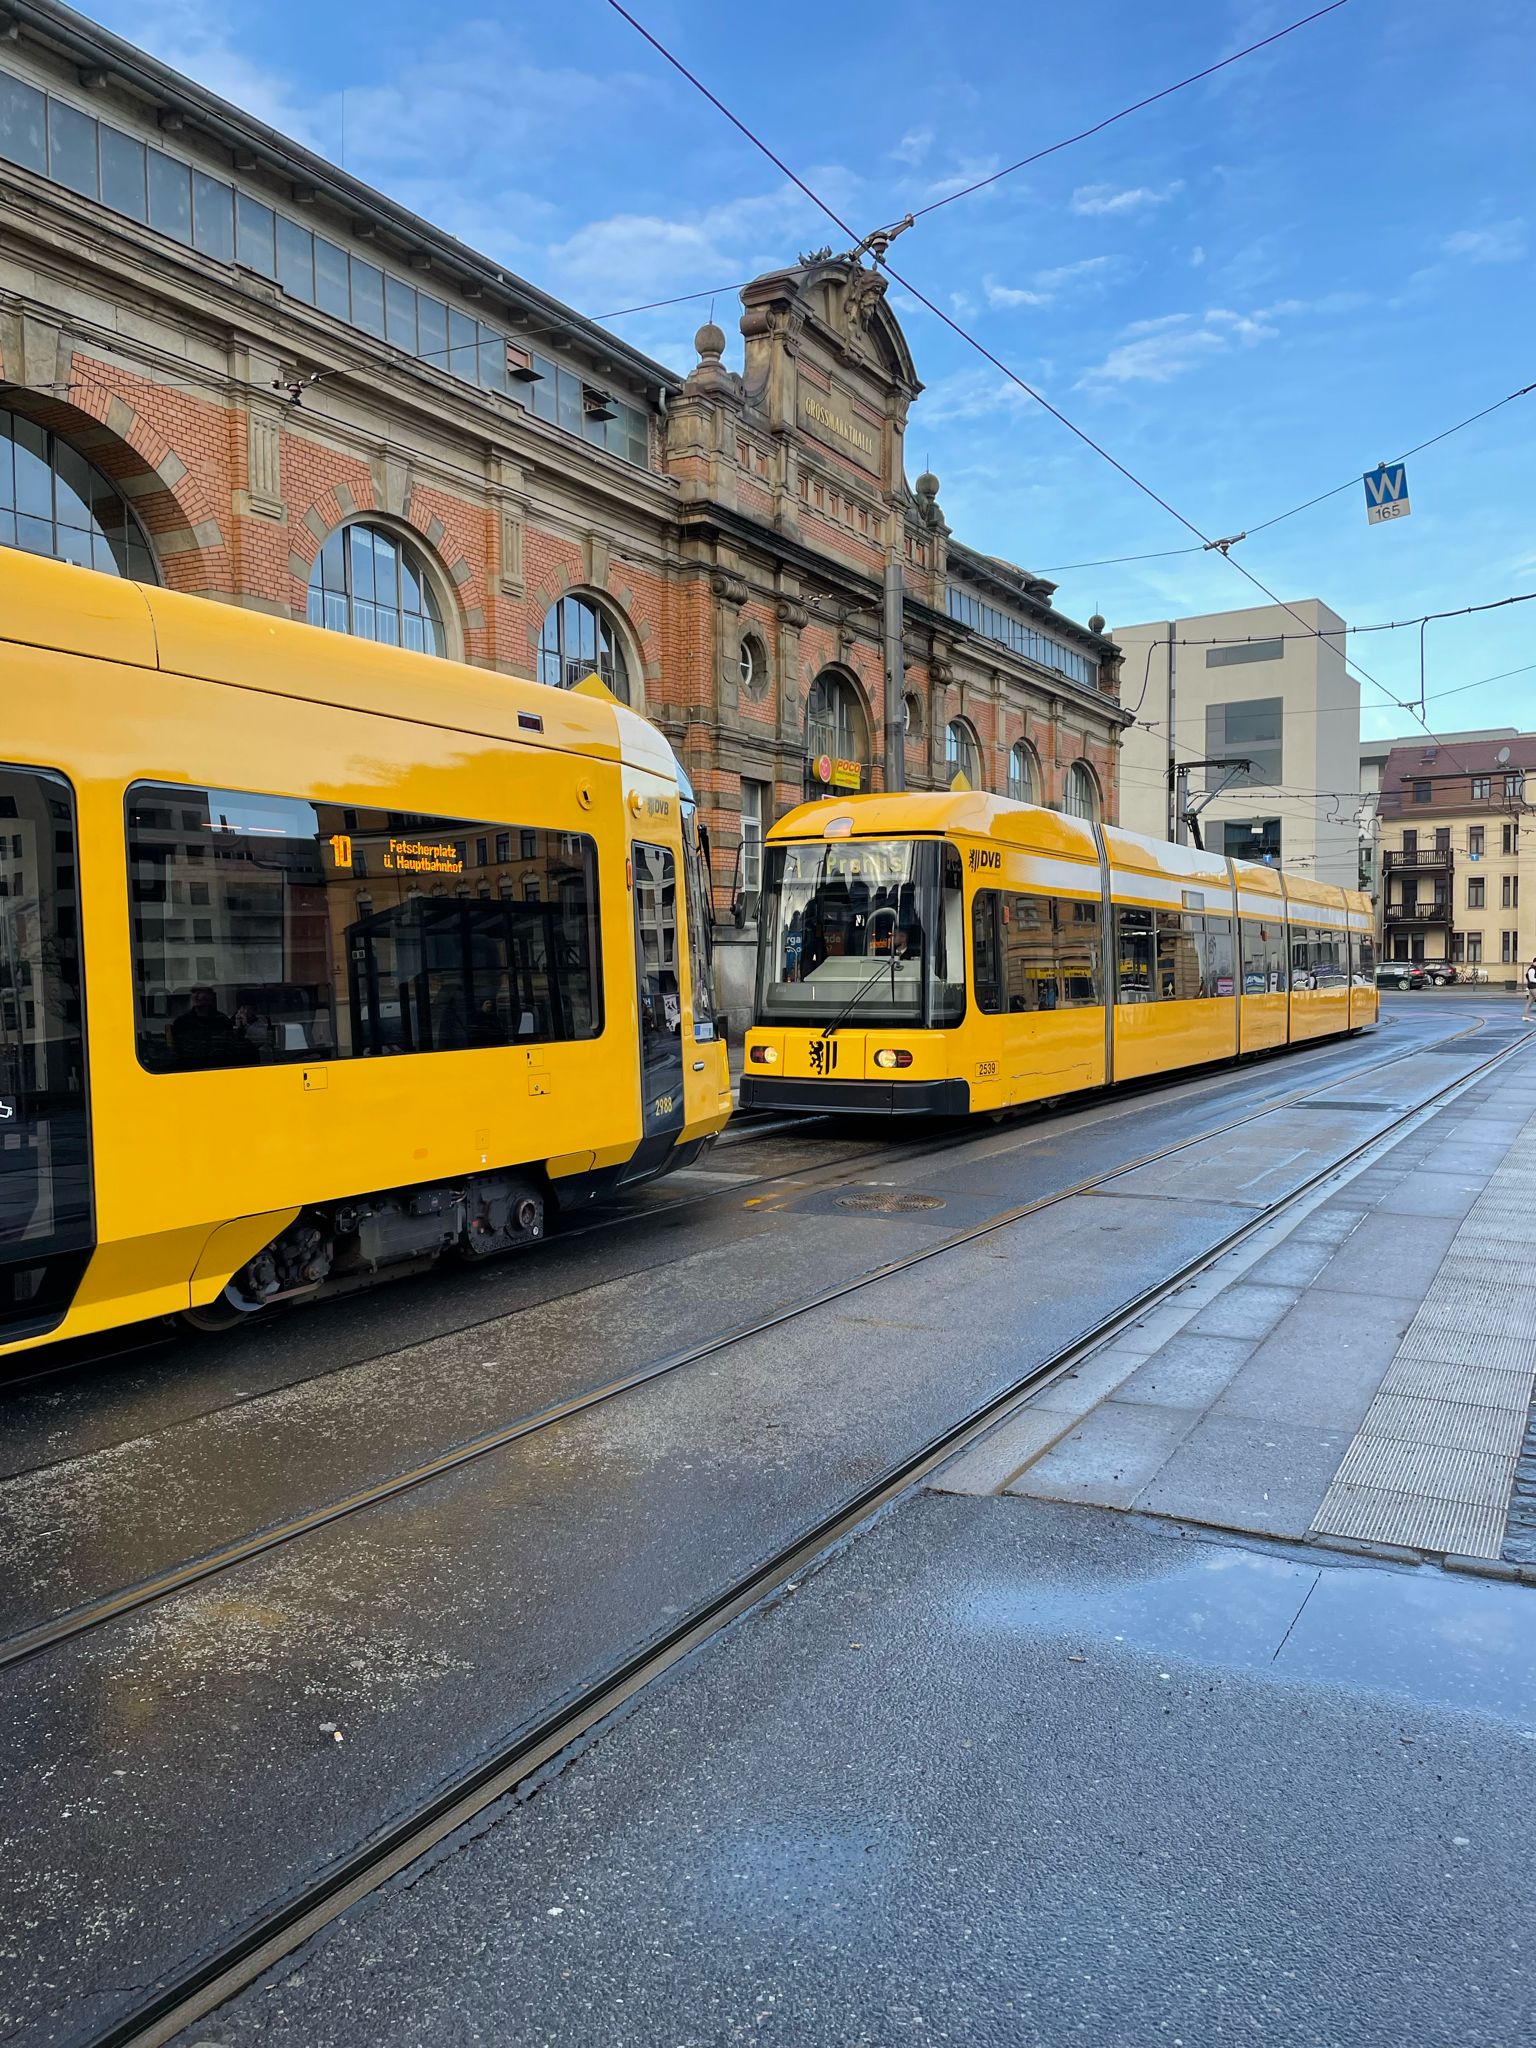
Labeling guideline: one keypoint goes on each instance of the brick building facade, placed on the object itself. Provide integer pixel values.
(218, 354)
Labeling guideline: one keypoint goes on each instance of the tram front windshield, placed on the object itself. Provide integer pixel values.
(867, 931)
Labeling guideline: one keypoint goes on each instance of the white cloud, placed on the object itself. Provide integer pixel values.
(1157, 351)
(913, 146)
(1046, 285)
(1071, 273)
(969, 172)
(1013, 295)
(978, 394)
(192, 38)
(1503, 242)
(1098, 199)
(644, 256)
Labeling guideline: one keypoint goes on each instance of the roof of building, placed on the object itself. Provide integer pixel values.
(168, 92)
(1483, 754)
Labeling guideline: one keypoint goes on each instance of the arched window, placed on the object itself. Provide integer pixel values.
(836, 730)
(1023, 783)
(580, 640)
(1082, 795)
(912, 716)
(54, 502)
(373, 585)
(961, 753)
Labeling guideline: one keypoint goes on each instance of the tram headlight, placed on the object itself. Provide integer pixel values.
(764, 1056)
(888, 1058)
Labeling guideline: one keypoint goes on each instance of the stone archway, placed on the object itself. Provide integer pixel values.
(170, 505)
(838, 728)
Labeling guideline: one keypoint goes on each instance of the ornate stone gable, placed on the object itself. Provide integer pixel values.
(827, 364)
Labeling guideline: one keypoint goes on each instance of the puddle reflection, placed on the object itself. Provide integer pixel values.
(1439, 1639)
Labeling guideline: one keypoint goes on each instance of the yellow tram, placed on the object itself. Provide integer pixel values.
(958, 952)
(318, 957)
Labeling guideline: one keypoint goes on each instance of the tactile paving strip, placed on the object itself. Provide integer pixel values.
(1413, 1520)
(1433, 1463)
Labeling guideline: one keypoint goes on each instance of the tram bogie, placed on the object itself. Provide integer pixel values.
(958, 953)
(319, 959)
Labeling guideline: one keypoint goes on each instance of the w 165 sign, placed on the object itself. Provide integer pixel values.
(1386, 493)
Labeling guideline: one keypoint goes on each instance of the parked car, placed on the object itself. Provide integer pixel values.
(1441, 973)
(1400, 974)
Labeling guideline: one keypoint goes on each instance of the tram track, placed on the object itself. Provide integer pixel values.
(89, 1355)
(277, 1934)
(24, 1644)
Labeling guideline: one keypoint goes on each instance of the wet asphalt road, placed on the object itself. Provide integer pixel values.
(179, 1768)
(998, 1773)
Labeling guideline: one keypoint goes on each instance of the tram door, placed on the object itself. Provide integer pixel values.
(659, 981)
(46, 1231)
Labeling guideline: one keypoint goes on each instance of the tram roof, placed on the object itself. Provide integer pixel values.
(898, 814)
(48, 604)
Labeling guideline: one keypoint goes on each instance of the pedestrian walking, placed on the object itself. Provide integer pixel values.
(1530, 994)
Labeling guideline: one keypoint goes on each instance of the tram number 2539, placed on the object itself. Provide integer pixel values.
(986, 1070)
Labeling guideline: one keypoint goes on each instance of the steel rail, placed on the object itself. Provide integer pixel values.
(157, 1335)
(277, 1934)
(79, 1620)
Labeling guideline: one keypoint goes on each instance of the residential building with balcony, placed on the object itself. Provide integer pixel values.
(1458, 849)
(1374, 755)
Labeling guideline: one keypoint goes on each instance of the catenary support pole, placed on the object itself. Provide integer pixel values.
(895, 681)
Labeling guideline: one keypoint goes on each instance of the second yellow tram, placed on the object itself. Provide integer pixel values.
(957, 953)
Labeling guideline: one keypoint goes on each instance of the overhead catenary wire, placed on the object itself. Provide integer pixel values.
(992, 177)
(1166, 554)
(988, 355)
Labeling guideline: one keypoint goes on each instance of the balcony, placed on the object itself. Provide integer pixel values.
(1436, 910)
(1431, 858)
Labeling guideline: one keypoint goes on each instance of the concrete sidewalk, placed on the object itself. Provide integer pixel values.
(1359, 1373)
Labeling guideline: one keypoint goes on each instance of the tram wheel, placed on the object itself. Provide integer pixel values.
(224, 1312)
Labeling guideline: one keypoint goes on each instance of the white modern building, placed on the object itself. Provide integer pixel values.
(1267, 687)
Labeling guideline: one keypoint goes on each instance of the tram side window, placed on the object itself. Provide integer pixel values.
(1331, 957)
(1135, 955)
(1050, 952)
(1263, 958)
(1365, 959)
(1217, 947)
(984, 951)
(1173, 956)
(268, 930)
(1180, 967)
(946, 995)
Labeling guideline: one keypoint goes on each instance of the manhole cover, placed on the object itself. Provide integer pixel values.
(1332, 1102)
(889, 1205)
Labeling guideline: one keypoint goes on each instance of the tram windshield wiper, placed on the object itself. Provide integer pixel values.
(864, 987)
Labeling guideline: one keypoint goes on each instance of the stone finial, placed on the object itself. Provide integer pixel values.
(1096, 623)
(926, 490)
(710, 343)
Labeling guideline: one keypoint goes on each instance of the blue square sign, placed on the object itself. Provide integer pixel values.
(1386, 493)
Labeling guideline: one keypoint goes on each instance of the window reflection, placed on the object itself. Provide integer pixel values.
(268, 930)
(579, 640)
(54, 502)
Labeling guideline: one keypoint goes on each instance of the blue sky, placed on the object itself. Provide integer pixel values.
(1248, 293)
